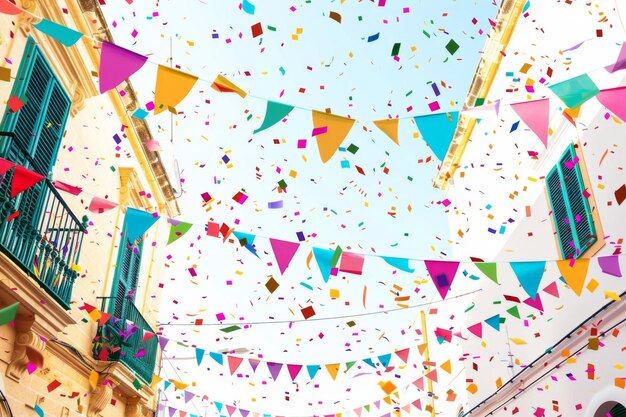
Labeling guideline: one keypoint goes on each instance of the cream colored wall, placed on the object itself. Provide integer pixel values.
(86, 159)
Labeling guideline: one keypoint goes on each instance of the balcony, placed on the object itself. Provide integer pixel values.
(42, 236)
(121, 340)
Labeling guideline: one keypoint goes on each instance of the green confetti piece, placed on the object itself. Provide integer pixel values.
(479, 101)
(426, 33)
(282, 184)
(230, 329)
(272, 28)
(395, 51)
(336, 256)
(353, 149)
(137, 384)
(452, 47)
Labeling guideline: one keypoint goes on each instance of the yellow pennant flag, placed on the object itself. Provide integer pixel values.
(223, 85)
(389, 127)
(446, 366)
(155, 380)
(178, 385)
(330, 130)
(172, 86)
(332, 369)
(574, 275)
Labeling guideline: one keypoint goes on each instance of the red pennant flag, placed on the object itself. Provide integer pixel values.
(284, 252)
(23, 179)
(432, 375)
(7, 7)
(104, 317)
(476, 329)
(5, 165)
(403, 354)
(233, 363)
(147, 336)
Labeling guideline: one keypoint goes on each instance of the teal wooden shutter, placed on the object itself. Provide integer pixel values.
(126, 274)
(570, 208)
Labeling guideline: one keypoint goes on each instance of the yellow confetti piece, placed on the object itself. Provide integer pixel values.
(592, 285)
(518, 341)
(612, 295)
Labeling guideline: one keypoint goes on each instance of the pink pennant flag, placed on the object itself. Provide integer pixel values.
(536, 303)
(284, 252)
(476, 329)
(552, 289)
(419, 384)
(403, 354)
(614, 99)
(117, 64)
(100, 205)
(536, 115)
(230, 409)
(294, 370)
(442, 274)
(417, 404)
(233, 363)
(620, 63)
(67, 188)
(352, 263)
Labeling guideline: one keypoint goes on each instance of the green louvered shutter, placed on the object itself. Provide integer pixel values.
(618, 411)
(570, 208)
(578, 203)
(126, 274)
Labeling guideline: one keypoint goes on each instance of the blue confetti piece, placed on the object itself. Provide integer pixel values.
(345, 164)
(140, 114)
(373, 38)
(514, 127)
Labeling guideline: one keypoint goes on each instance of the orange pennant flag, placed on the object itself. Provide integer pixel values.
(172, 86)
(389, 127)
(332, 369)
(446, 366)
(575, 274)
(330, 130)
(223, 85)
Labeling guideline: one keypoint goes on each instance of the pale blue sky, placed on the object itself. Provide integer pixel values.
(337, 205)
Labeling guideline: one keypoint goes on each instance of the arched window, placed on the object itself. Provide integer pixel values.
(618, 411)
(611, 408)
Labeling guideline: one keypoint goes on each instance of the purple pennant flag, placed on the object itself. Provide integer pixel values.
(253, 364)
(163, 342)
(116, 65)
(620, 63)
(610, 265)
(189, 396)
(274, 369)
(244, 413)
(172, 411)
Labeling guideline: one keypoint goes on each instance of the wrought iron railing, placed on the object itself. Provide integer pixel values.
(120, 339)
(38, 231)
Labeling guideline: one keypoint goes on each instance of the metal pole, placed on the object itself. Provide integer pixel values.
(427, 357)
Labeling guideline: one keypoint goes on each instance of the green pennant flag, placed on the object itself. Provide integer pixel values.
(575, 91)
(336, 256)
(177, 230)
(489, 269)
(349, 365)
(274, 113)
(514, 312)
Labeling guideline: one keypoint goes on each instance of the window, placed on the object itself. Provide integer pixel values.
(618, 411)
(126, 275)
(570, 208)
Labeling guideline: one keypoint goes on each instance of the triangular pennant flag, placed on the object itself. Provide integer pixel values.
(529, 275)
(389, 127)
(155, 380)
(575, 91)
(171, 411)
(514, 312)
(417, 404)
(358, 411)
(535, 303)
(552, 289)
(401, 263)
(172, 86)
(284, 252)
(179, 385)
(246, 240)
(446, 366)
(177, 230)
(419, 383)
(489, 269)
(274, 113)
(323, 258)
(333, 369)
(230, 409)
(233, 363)
(349, 365)
(274, 369)
(294, 370)
(189, 396)
(432, 375)
(370, 362)
(244, 413)
(253, 364)
(23, 179)
(536, 115)
(403, 354)
(100, 205)
(614, 100)
(163, 342)
(7, 7)
(438, 130)
(571, 114)
(494, 322)
(476, 330)
(367, 407)
(330, 130)
(218, 405)
(63, 34)
(574, 273)
(5, 165)
(199, 355)
(116, 65)
(223, 85)
(610, 265)
(137, 223)
(442, 274)
(422, 348)
(620, 63)
(217, 357)
(312, 370)
(385, 359)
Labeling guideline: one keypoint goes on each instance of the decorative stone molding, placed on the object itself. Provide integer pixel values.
(135, 407)
(28, 347)
(25, 20)
(100, 398)
(79, 98)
